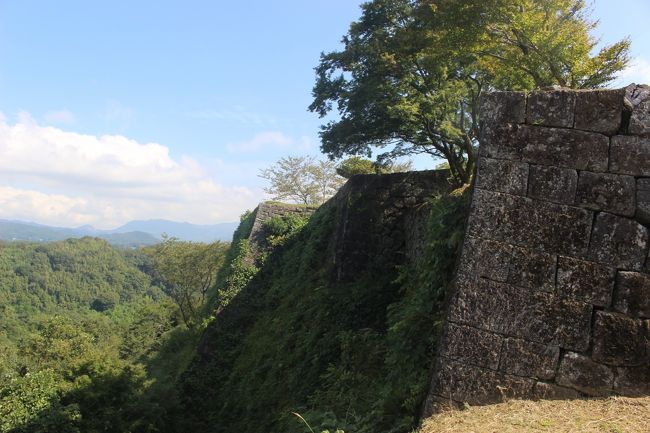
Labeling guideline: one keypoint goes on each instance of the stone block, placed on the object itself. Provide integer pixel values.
(471, 346)
(488, 305)
(565, 148)
(551, 108)
(619, 340)
(618, 242)
(599, 110)
(503, 107)
(550, 391)
(528, 359)
(638, 99)
(585, 281)
(543, 226)
(643, 200)
(474, 385)
(502, 141)
(505, 263)
(553, 184)
(630, 155)
(581, 373)
(554, 320)
(607, 192)
(633, 294)
(633, 381)
(499, 175)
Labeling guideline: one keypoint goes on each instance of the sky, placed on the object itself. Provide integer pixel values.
(123, 110)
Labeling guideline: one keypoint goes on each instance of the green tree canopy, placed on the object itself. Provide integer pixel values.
(358, 165)
(411, 72)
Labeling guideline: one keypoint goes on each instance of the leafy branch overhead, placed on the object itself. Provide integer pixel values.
(411, 72)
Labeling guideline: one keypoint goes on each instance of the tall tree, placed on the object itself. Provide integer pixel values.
(188, 270)
(302, 179)
(411, 72)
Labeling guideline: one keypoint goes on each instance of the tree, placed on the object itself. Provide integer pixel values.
(302, 179)
(411, 72)
(357, 165)
(188, 270)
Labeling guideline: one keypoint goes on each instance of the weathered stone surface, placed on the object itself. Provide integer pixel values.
(553, 184)
(565, 148)
(581, 373)
(503, 141)
(503, 107)
(551, 108)
(547, 227)
(619, 340)
(607, 192)
(585, 281)
(638, 98)
(474, 385)
(535, 316)
(528, 359)
(550, 391)
(633, 294)
(633, 381)
(630, 155)
(509, 264)
(472, 346)
(643, 200)
(510, 177)
(553, 320)
(600, 110)
(618, 242)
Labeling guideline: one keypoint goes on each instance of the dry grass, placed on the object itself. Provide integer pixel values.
(611, 415)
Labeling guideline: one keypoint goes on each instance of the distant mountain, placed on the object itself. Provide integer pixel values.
(132, 234)
(24, 231)
(184, 231)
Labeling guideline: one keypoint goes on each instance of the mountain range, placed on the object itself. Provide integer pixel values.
(131, 234)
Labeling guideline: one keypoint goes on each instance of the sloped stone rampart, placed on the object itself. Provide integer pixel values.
(552, 297)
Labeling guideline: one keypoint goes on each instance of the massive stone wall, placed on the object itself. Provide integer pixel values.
(552, 298)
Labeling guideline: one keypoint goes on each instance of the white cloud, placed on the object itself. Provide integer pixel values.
(60, 117)
(64, 178)
(638, 71)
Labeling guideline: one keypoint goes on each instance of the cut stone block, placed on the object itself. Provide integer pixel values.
(618, 242)
(503, 107)
(501, 262)
(633, 294)
(607, 192)
(565, 148)
(633, 381)
(630, 155)
(550, 391)
(581, 373)
(510, 177)
(551, 108)
(528, 359)
(619, 340)
(475, 385)
(643, 200)
(543, 226)
(502, 141)
(638, 98)
(585, 281)
(472, 346)
(599, 110)
(553, 184)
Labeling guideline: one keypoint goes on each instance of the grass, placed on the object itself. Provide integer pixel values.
(610, 415)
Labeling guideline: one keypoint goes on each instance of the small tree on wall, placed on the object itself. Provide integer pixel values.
(302, 179)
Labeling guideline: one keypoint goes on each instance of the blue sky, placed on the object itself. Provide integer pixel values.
(168, 109)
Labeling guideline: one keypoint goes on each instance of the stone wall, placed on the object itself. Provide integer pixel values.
(552, 298)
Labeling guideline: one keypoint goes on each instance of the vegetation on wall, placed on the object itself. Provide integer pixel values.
(352, 355)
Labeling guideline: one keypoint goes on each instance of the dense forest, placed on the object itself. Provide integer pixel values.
(92, 337)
